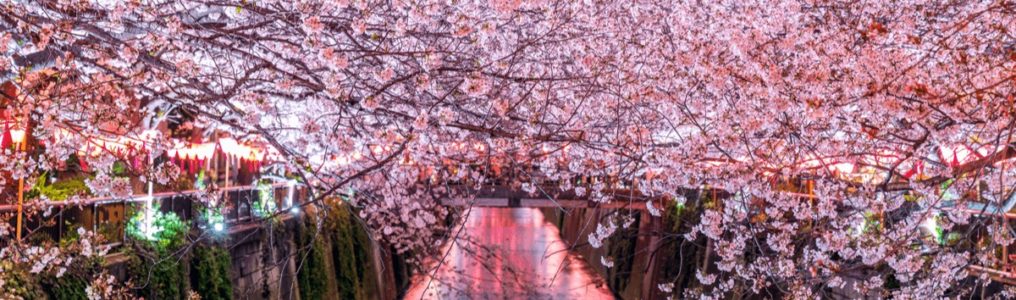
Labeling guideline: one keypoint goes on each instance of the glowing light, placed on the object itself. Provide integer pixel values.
(861, 227)
(198, 151)
(290, 186)
(96, 145)
(206, 150)
(218, 227)
(843, 168)
(17, 136)
(931, 225)
(145, 225)
(148, 229)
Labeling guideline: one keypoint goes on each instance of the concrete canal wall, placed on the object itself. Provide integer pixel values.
(639, 253)
(285, 259)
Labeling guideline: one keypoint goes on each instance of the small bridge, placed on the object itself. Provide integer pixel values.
(550, 197)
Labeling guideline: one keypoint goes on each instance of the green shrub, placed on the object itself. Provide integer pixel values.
(59, 190)
(18, 283)
(68, 287)
(350, 253)
(71, 285)
(166, 231)
(311, 274)
(344, 252)
(210, 278)
(158, 269)
(168, 279)
(120, 169)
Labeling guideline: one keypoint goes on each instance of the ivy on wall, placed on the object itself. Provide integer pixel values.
(210, 272)
(310, 261)
(66, 288)
(342, 248)
(348, 262)
(336, 262)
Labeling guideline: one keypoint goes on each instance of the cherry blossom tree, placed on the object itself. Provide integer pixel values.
(885, 115)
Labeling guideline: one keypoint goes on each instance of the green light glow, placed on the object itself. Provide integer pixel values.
(154, 226)
(265, 205)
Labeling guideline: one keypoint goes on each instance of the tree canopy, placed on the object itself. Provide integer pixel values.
(890, 109)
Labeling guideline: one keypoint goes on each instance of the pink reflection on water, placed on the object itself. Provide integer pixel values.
(515, 254)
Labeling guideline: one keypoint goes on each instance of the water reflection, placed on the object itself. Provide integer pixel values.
(510, 254)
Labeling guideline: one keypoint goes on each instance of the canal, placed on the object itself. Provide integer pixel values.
(508, 253)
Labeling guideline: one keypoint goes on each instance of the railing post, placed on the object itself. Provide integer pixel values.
(60, 226)
(21, 196)
(124, 219)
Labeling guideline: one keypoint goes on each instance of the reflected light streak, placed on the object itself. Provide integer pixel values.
(528, 262)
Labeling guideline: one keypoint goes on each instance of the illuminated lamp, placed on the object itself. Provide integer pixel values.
(17, 136)
(931, 225)
(290, 187)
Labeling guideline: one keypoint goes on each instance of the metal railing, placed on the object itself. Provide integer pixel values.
(108, 216)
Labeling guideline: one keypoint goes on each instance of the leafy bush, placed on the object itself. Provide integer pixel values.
(71, 285)
(121, 169)
(265, 204)
(68, 287)
(165, 230)
(60, 190)
(350, 252)
(210, 276)
(311, 274)
(18, 283)
(157, 267)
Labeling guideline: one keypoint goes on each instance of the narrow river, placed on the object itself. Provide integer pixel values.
(509, 253)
